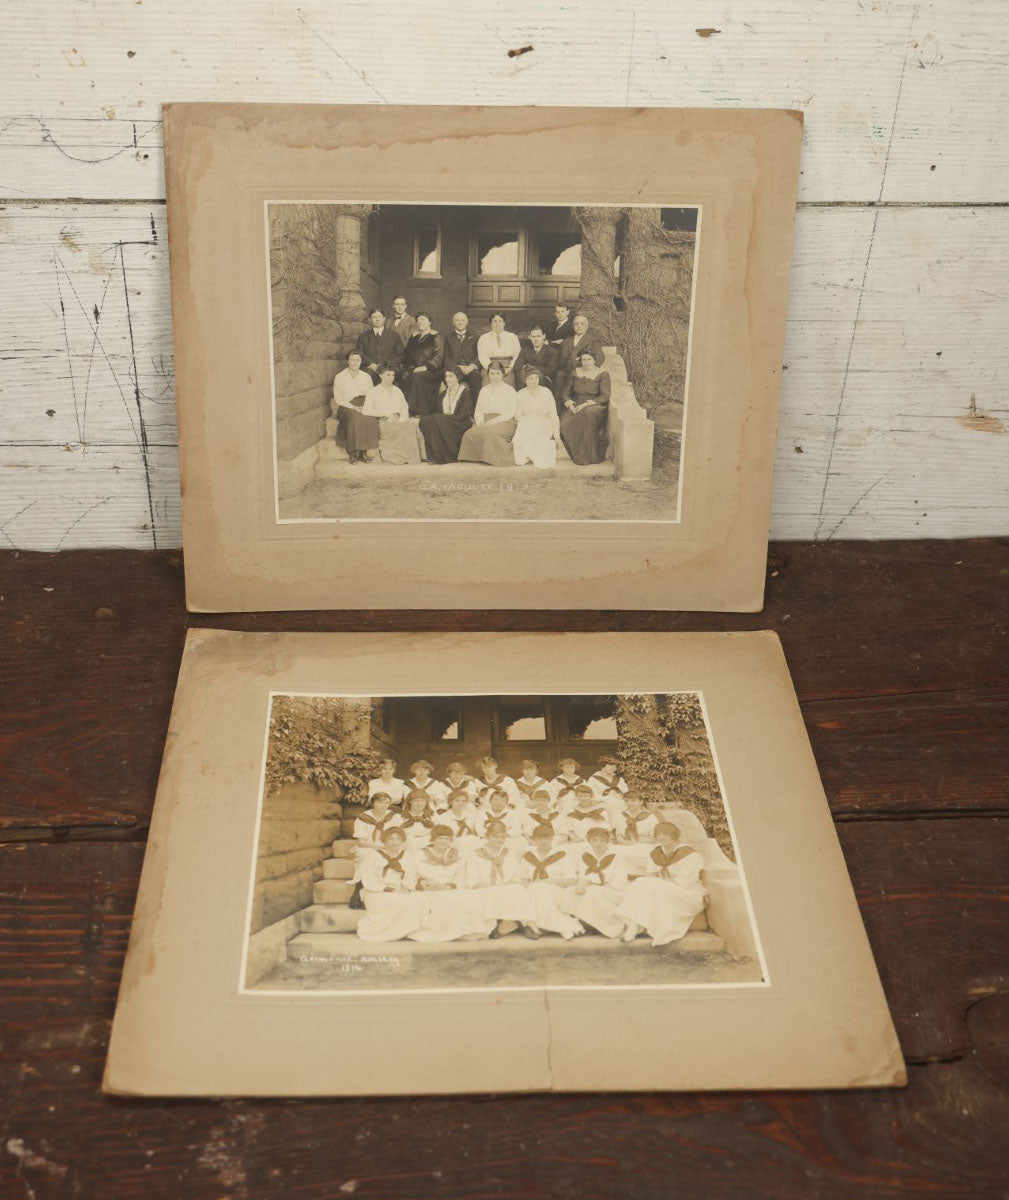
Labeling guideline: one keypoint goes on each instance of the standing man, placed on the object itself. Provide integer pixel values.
(379, 346)
(500, 346)
(582, 340)
(537, 352)
(402, 323)
(461, 353)
(561, 327)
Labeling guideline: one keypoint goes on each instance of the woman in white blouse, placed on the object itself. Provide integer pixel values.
(398, 433)
(538, 426)
(489, 439)
(350, 390)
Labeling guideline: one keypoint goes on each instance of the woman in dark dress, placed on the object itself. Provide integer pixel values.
(443, 430)
(422, 359)
(583, 421)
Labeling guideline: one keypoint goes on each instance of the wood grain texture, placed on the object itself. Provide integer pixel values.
(903, 101)
(899, 653)
(933, 894)
(875, 438)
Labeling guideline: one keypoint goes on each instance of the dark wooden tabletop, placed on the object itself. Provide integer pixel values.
(900, 656)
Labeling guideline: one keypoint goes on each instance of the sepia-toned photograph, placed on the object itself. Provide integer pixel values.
(479, 362)
(495, 841)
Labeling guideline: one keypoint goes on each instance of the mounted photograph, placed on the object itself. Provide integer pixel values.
(460, 842)
(458, 357)
(480, 362)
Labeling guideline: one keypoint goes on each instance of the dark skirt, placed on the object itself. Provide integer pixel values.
(443, 435)
(422, 393)
(359, 432)
(584, 434)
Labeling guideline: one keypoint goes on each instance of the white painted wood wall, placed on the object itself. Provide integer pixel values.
(894, 408)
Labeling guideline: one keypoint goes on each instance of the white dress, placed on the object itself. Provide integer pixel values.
(347, 388)
(504, 783)
(390, 915)
(368, 835)
(434, 789)
(525, 789)
(609, 792)
(606, 884)
(448, 914)
(666, 901)
(538, 428)
(578, 822)
(495, 882)
(635, 849)
(545, 894)
(562, 791)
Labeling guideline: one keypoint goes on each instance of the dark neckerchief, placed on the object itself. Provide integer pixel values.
(393, 863)
(597, 866)
(540, 864)
(594, 814)
(665, 861)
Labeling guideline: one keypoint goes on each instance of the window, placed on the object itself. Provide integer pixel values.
(497, 253)
(446, 721)
(592, 718)
(681, 219)
(523, 720)
(427, 253)
(559, 254)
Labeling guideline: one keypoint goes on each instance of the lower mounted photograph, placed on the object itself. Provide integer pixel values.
(492, 842)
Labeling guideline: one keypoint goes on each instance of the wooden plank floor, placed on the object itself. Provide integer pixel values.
(900, 655)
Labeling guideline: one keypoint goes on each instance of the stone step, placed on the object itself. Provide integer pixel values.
(330, 918)
(349, 945)
(332, 891)
(338, 868)
(333, 464)
(344, 847)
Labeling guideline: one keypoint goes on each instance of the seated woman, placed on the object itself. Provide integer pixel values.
(350, 390)
(422, 359)
(492, 871)
(418, 820)
(586, 401)
(665, 901)
(443, 430)
(537, 427)
(490, 438)
(398, 438)
(600, 887)
(452, 910)
(394, 908)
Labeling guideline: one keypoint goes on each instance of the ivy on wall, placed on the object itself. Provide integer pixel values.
(665, 754)
(321, 741)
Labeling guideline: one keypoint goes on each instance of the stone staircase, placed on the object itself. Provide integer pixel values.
(329, 927)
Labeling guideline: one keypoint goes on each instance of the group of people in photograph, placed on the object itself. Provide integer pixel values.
(482, 856)
(409, 394)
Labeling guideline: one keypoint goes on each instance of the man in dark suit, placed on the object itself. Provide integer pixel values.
(561, 327)
(581, 341)
(537, 352)
(461, 353)
(379, 346)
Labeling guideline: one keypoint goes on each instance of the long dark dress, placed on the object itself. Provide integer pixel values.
(360, 431)
(423, 350)
(443, 432)
(584, 433)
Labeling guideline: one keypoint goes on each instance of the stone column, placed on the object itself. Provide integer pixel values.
(351, 307)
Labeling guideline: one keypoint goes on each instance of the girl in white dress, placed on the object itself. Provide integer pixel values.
(499, 811)
(461, 818)
(418, 820)
(422, 780)
(529, 781)
(665, 901)
(369, 827)
(539, 815)
(585, 815)
(456, 778)
(537, 428)
(609, 786)
(393, 908)
(492, 871)
(562, 786)
(387, 781)
(452, 910)
(547, 873)
(600, 887)
(635, 829)
(490, 777)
